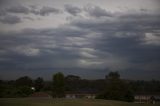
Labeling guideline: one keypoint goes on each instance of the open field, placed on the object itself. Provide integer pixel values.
(64, 102)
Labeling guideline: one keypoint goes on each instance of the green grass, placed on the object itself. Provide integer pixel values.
(64, 102)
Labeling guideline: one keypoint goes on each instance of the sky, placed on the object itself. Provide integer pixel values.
(88, 38)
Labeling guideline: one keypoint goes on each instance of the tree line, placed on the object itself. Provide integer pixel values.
(111, 87)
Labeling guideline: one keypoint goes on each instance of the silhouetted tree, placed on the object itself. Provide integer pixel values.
(1, 89)
(116, 89)
(24, 81)
(39, 84)
(72, 82)
(58, 85)
(23, 91)
(113, 76)
(23, 87)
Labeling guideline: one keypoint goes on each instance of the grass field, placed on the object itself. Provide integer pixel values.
(64, 102)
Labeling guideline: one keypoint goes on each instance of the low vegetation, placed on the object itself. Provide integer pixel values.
(110, 88)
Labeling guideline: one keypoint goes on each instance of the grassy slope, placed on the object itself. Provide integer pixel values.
(64, 102)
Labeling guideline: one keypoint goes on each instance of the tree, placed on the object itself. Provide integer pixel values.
(116, 89)
(24, 81)
(39, 84)
(58, 85)
(113, 76)
(72, 82)
(23, 87)
(1, 88)
(23, 91)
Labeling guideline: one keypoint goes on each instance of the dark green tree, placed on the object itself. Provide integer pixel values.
(24, 81)
(116, 89)
(1, 89)
(39, 84)
(23, 87)
(23, 91)
(58, 85)
(72, 82)
(113, 76)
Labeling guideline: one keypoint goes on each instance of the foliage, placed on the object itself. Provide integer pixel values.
(24, 81)
(24, 91)
(71, 82)
(21, 86)
(58, 85)
(1, 89)
(113, 76)
(21, 91)
(116, 89)
(39, 84)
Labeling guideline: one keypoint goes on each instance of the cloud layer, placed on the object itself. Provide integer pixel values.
(93, 41)
(13, 14)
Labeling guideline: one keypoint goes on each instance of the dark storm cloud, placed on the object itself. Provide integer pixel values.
(120, 42)
(73, 10)
(10, 19)
(33, 49)
(126, 36)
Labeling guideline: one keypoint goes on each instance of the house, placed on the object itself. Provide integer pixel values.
(40, 95)
(80, 94)
(147, 98)
(141, 98)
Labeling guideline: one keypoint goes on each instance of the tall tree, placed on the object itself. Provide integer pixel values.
(1, 88)
(39, 84)
(58, 85)
(116, 89)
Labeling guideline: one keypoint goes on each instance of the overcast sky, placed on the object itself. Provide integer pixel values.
(88, 38)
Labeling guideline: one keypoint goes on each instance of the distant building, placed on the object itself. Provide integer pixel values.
(80, 94)
(147, 98)
(40, 95)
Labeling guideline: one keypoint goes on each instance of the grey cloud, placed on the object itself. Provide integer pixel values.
(73, 10)
(47, 10)
(10, 19)
(96, 11)
(43, 11)
(86, 44)
(18, 9)
(10, 15)
(43, 44)
(143, 10)
(124, 36)
(5, 2)
(29, 18)
(2, 12)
